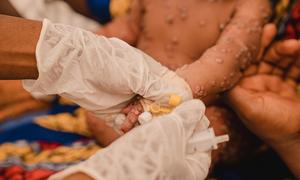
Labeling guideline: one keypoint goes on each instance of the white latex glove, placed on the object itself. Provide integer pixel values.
(100, 74)
(156, 150)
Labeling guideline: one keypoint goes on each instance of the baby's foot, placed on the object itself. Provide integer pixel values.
(132, 113)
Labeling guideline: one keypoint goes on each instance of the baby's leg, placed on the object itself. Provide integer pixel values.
(241, 144)
(219, 122)
(78, 176)
(103, 133)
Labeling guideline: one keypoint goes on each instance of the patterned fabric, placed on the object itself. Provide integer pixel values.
(40, 159)
(292, 30)
(119, 7)
(18, 172)
(286, 16)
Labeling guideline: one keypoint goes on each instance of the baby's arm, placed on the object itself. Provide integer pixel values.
(126, 27)
(221, 66)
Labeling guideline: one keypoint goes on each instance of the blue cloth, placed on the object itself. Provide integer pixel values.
(58, 108)
(24, 128)
(100, 10)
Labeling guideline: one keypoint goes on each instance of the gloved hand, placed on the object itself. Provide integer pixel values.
(100, 74)
(156, 150)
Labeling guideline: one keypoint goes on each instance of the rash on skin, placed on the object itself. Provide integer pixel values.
(217, 70)
(219, 67)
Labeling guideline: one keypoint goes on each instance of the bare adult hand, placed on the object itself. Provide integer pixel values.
(282, 59)
(269, 106)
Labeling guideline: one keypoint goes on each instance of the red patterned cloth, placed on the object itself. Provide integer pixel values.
(18, 166)
(18, 173)
(292, 30)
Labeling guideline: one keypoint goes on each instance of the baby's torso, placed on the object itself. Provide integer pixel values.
(177, 32)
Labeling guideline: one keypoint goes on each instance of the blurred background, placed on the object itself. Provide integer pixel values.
(33, 140)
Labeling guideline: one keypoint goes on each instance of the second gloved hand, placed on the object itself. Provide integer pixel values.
(156, 150)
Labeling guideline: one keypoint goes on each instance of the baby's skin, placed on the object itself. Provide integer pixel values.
(215, 39)
(209, 43)
(175, 33)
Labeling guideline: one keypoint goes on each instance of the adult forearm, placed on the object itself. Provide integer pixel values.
(18, 40)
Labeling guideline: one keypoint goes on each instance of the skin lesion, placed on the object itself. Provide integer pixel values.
(204, 82)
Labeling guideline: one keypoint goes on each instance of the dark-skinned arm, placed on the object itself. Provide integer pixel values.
(18, 42)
